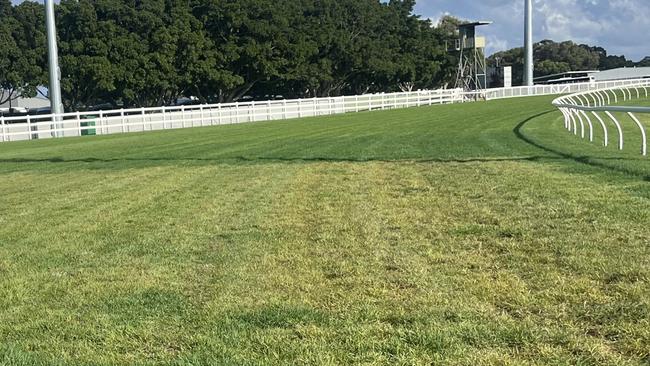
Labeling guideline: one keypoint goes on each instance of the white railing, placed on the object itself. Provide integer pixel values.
(161, 118)
(589, 106)
(527, 91)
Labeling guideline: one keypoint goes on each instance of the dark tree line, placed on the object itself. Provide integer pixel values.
(22, 57)
(554, 58)
(151, 52)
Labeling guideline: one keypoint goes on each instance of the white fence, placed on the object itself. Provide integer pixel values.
(161, 118)
(589, 106)
(527, 91)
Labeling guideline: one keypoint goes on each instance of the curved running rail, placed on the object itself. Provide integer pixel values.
(582, 111)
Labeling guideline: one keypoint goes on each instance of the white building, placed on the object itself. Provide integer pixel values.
(566, 77)
(624, 73)
(25, 103)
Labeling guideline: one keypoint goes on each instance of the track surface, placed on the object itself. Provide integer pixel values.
(465, 234)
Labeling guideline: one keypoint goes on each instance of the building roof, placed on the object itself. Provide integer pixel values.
(623, 73)
(29, 103)
(476, 24)
(566, 74)
(565, 77)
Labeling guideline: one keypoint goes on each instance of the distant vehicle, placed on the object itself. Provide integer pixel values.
(13, 112)
(18, 110)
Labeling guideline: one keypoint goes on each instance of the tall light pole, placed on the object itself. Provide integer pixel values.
(528, 30)
(53, 58)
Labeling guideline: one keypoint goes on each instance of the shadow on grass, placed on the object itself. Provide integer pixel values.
(134, 163)
(239, 159)
(546, 153)
(586, 160)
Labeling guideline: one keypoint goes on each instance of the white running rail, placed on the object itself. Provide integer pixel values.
(161, 118)
(582, 110)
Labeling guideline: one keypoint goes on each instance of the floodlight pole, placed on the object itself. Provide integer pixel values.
(528, 30)
(54, 88)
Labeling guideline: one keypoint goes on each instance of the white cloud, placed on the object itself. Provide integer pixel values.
(617, 25)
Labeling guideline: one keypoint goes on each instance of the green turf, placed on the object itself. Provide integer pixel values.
(474, 234)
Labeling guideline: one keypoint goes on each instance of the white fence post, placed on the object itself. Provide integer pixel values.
(123, 122)
(78, 115)
(101, 123)
(53, 126)
(29, 128)
(4, 131)
(164, 120)
(644, 141)
(284, 108)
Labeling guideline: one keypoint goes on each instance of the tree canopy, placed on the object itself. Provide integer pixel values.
(22, 50)
(150, 53)
(554, 58)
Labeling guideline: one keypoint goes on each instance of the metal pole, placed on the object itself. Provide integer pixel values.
(528, 29)
(53, 55)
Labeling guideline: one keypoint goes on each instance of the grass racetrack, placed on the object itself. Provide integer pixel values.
(473, 234)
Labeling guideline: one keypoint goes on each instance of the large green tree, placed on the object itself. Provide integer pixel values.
(554, 58)
(249, 42)
(22, 47)
(146, 53)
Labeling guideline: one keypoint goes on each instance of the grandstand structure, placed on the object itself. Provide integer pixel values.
(622, 73)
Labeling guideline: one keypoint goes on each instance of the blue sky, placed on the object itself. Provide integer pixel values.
(617, 25)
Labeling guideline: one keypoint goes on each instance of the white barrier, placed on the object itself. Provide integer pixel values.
(161, 118)
(578, 110)
(527, 91)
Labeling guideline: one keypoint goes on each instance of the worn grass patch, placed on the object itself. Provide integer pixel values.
(478, 234)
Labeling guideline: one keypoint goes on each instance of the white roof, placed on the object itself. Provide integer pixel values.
(36, 102)
(623, 73)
